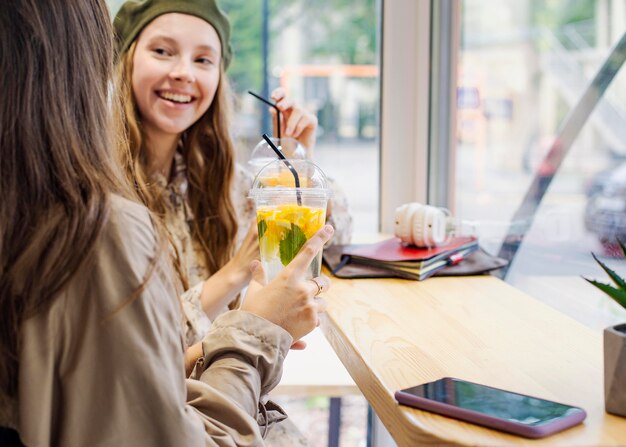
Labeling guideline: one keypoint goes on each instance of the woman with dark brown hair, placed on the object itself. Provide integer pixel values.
(91, 342)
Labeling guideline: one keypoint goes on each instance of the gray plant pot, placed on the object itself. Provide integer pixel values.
(615, 369)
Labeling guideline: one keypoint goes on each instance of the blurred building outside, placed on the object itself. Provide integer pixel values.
(523, 66)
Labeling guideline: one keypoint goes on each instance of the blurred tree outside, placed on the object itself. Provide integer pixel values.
(336, 32)
(339, 29)
(246, 70)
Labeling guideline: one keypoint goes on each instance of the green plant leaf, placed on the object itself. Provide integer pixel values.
(262, 225)
(619, 282)
(291, 244)
(619, 296)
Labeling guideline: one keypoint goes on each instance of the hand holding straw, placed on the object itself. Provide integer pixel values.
(274, 107)
(289, 166)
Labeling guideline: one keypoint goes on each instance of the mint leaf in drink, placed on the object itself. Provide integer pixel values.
(291, 244)
(262, 225)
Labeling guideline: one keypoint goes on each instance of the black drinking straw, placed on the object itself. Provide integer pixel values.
(260, 98)
(289, 166)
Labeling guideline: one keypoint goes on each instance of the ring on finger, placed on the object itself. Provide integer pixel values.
(319, 284)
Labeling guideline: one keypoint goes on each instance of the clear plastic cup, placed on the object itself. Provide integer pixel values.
(287, 216)
(263, 154)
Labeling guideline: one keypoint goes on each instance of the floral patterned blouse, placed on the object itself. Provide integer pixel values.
(179, 216)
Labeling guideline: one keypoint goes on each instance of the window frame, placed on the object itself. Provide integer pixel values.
(419, 50)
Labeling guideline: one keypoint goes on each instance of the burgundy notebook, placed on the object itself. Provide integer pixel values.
(395, 251)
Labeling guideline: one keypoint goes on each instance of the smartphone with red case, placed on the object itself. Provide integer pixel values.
(507, 411)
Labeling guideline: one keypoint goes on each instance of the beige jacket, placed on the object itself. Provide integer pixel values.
(98, 369)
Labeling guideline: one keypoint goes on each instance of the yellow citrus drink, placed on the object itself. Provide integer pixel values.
(283, 230)
(290, 197)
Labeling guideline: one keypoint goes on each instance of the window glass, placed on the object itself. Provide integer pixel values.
(523, 66)
(325, 54)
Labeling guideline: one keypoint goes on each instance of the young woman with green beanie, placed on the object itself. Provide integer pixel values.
(90, 340)
(172, 58)
(171, 64)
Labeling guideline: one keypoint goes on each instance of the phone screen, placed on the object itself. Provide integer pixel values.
(494, 402)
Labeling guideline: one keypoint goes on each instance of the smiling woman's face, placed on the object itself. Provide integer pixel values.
(176, 71)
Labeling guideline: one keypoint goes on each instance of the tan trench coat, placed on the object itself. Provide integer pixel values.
(98, 369)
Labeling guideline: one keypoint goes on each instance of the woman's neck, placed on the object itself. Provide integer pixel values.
(161, 148)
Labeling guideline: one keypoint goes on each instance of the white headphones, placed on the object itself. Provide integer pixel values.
(421, 225)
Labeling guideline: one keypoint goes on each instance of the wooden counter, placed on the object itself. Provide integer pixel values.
(392, 334)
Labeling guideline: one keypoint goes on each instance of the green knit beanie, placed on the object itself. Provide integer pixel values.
(135, 15)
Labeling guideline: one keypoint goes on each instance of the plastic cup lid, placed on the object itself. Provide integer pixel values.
(263, 154)
(276, 178)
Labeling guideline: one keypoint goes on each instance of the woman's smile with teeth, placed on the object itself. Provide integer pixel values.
(175, 97)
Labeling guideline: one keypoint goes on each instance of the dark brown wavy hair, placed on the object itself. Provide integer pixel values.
(210, 158)
(57, 168)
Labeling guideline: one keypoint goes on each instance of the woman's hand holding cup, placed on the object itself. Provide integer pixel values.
(290, 300)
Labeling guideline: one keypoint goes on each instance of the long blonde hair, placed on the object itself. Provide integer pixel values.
(56, 165)
(209, 154)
